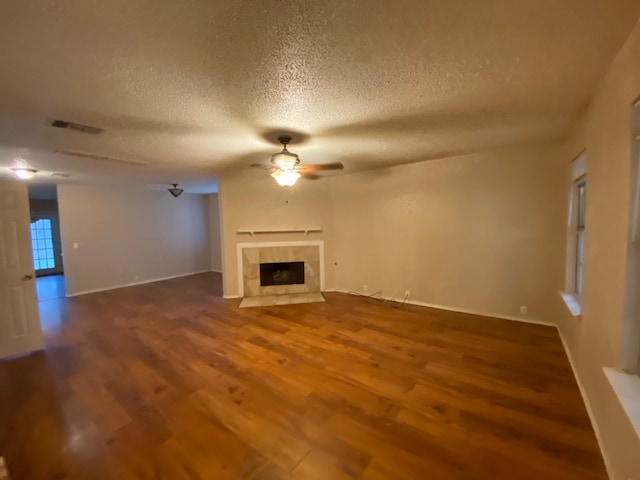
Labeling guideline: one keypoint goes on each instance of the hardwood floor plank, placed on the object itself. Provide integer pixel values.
(170, 381)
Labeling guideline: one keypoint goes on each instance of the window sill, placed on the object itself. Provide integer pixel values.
(627, 388)
(573, 303)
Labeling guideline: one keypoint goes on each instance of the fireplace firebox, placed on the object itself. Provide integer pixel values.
(281, 273)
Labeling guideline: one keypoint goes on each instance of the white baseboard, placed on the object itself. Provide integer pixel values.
(475, 312)
(587, 404)
(116, 287)
(229, 297)
(454, 309)
(216, 271)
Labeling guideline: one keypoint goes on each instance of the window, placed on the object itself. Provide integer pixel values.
(42, 244)
(633, 255)
(581, 189)
(574, 279)
(625, 377)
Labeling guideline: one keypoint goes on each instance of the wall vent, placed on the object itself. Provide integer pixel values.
(78, 127)
(102, 158)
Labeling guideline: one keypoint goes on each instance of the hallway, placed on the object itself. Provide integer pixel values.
(50, 287)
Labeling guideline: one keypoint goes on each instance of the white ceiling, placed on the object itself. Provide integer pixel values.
(192, 87)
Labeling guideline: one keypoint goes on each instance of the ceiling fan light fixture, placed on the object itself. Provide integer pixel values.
(286, 178)
(286, 166)
(24, 173)
(285, 160)
(175, 191)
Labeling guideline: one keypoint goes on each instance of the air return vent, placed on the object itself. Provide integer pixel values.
(78, 127)
(102, 158)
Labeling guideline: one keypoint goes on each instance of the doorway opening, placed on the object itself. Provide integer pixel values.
(46, 242)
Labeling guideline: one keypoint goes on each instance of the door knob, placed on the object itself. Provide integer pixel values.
(27, 277)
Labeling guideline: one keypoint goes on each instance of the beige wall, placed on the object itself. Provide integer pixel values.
(595, 341)
(484, 233)
(130, 235)
(254, 200)
(480, 233)
(215, 238)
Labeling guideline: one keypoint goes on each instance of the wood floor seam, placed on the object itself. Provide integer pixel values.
(169, 381)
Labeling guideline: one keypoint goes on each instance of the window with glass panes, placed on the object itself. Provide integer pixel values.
(581, 202)
(42, 243)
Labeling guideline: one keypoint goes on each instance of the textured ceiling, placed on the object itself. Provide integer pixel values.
(192, 88)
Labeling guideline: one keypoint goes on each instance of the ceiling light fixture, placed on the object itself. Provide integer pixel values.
(175, 191)
(286, 178)
(24, 173)
(286, 169)
(285, 160)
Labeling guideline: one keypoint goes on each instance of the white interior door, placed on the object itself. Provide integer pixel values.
(19, 318)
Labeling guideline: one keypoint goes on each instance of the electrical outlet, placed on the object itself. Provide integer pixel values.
(524, 310)
(407, 293)
(365, 288)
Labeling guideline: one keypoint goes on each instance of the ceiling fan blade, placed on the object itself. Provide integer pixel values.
(310, 176)
(263, 166)
(320, 167)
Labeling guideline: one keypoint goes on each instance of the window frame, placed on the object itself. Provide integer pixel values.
(580, 187)
(42, 244)
(634, 240)
(576, 232)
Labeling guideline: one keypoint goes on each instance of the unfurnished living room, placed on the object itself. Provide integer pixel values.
(320, 240)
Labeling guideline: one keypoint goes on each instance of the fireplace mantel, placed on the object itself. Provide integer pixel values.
(256, 231)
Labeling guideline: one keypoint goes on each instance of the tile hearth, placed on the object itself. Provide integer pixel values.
(284, 299)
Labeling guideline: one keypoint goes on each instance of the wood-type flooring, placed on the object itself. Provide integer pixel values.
(168, 381)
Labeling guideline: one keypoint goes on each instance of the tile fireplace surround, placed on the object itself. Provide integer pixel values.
(251, 255)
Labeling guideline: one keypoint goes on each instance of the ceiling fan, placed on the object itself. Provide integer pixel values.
(286, 169)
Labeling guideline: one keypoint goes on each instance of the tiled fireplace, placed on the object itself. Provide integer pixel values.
(285, 268)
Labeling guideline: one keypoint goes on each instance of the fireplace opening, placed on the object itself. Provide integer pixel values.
(284, 273)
